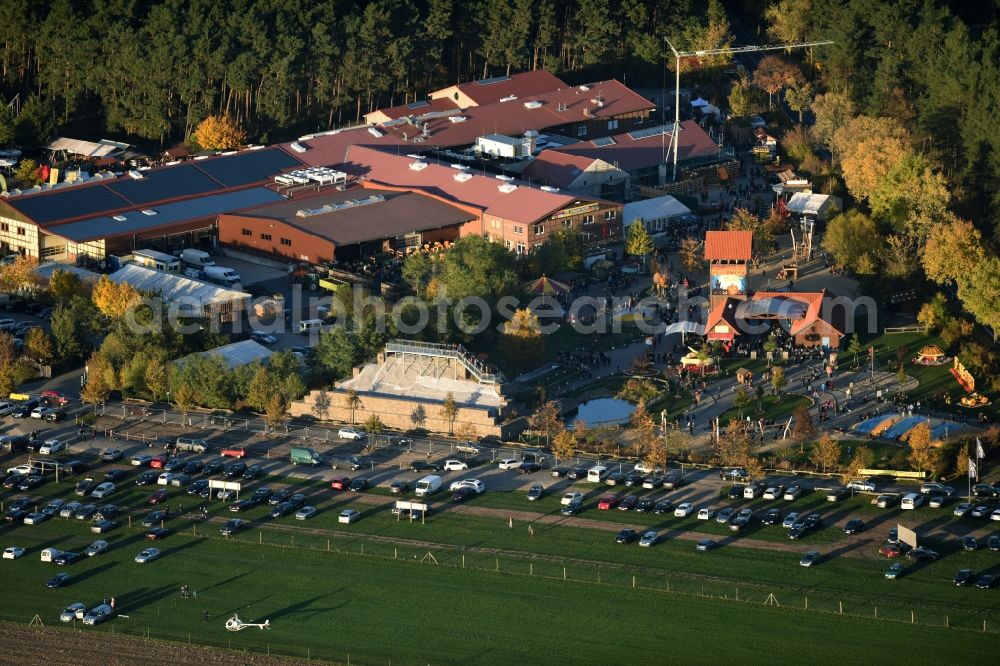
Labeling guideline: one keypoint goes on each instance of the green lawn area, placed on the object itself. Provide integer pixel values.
(770, 407)
(363, 589)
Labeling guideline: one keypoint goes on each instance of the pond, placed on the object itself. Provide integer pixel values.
(604, 411)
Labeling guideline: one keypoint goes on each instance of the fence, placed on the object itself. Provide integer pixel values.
(904, 329)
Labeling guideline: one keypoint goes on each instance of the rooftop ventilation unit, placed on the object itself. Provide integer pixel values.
(462, 176)
(561, 106)
(507, 188)
(503, 177)
(329, 208)
(457, 119)
(136, 175)
(508, 98)
(120, 218)
(599, 101)
(584, 88)
(460, 166)
(418, 166)
(546, 188)
(415, 156)
(149, 211)
(297, 147)
(230, 152)
(534, 104)
(374, 132)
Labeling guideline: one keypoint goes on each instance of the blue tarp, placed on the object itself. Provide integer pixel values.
(900, 428)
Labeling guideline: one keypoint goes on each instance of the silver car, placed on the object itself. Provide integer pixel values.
(305, 513)
(73, 612)
(98, 614)
(648, 539)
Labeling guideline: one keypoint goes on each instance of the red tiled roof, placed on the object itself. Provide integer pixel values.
(489, 91)
(525, 204)
(557, 169)
(330, 148)
(630, 154)
(418, 108)
(513, 118)
(728, 245)
(725, 311)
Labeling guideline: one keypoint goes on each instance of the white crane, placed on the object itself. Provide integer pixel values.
(731, 50)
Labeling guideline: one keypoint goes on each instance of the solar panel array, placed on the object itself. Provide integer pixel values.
(603, 141)
(178, 181)
(73, 202)
(173, 182)
(650, 131)
(248, 167)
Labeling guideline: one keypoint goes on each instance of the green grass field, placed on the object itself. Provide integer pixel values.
(489, 594)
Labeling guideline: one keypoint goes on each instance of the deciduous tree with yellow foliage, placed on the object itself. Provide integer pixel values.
(113, 299)
(219, 133)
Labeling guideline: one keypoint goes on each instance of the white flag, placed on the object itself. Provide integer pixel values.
(979, 449)
(972, 469)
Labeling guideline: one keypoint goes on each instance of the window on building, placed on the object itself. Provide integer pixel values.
(581, 130)
(266, 237)
(20, 231)
(588, 219)
(286, 241)
(518, 230)
(495, 224)
(610, 215)
(247, 232)
(613, 124)
(508, 244)
(539, 229)
(4, 227)
(520, 248)
(568, 224)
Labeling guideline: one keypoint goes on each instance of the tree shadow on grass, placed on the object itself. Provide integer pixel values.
(93, 572)
(301, 609)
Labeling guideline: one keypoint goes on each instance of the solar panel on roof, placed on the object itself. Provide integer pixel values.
(68, 203)
(650, 131)
(248, 167)
(167, 183)
(603, 141)
(418, 104)
(494, 79)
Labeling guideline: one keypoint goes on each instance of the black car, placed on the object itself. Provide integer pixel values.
(578, 472)
(796, 532)
(115, 475)
(735, 493)
(922, 554)
(14, 480)
(358, 485)
(462, 494)
(626, 535)
(644, 505)
(84, 487)
(813, 521)
(242, 505)
(23, 410)
(15, 516)
(262, 494)
(192, 467)
(279, 496)
(59, 580)
(963, 577)
(673, 481)
(174, 465)
(572, 508)
(423, 466)
(198, 486)
(615, 478)
(154, 518)
(529, 468)
(282, 509)
(983, 490)
(634, 479)
(158, 533)
(985, 581)
(253, 472)
(107, 512)
(22, 503)
(212, 468)
(146, 478)
(558, 472)
(55, 416)
(234, 469)
(970, 543)
(854, 526)
(628, 502)
(663, 506)
(772, 517)
(31, 482)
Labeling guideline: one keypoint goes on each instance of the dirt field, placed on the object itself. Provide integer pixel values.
(46, 646)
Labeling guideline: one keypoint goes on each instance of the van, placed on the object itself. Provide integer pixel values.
(304, 456)
(196, 258)
(428, 485)
(13, 443)
(157, 260)
(222, 274)
(50, 554)
(911, 501)
(307, 326)
(751, 491)
(597, 473)
(191, 444)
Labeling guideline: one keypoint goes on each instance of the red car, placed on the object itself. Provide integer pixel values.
(234, 452)
(890, 550)
(54, 398)
(608, 502)
(159, 460)
(158, 496)
(340, 483)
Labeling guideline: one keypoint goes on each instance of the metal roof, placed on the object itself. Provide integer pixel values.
(247, 167)
(180, 211)
(241, 353)
(654, 209)
(173, 287)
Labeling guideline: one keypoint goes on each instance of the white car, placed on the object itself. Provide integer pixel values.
(706, 513)
(475, 484)
(305, 513)
(792, 493)
(73, 612)
(38, 412)
(23, 468)
(509, 463)
(103, 490)
(455, 465)
(165, 478)
(348, 516)
(13, 552)
(36, 518)
(111, 455)
(350, 433)
(96, 548)
(147, 555)
(683, 510)
(51, 446)
(569, 498)
(649, 538)
(772, 493)
(141, 460)
(995, 515)
(643, 468)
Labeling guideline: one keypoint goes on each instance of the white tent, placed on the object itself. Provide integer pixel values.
(816, 205)
(698, 102)
(655, 213)
(684, 327)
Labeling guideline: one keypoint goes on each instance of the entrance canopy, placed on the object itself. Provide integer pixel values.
(771, 308)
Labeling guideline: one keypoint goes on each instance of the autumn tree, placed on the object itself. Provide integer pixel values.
(64, 286)
(260, 389)
(638, 242)
(774, 75)
(643, 429)
(99, 380)
(156, 378)
(219, 133)
(778, 381)
(803, 428)
(798, 143)
(522, 336)
(763, 234)
(952, 247)
(799, 97)
(373, 425)
(854, 241)
(741, 400)
(831, 111)
(962, 461)
(352, 402)
(275, 412)
(862, 459)
(924, 454)
(27, 172)
(38, 346)
(19, 275)
(736, 443)
(854, 347)
(564, 445)
(869, 148)
(691, 255)
(113, 299)
(899, 256)
(981, 296)
(184, 397)
(465, 432)
(449, 411)
(826, 453)
(321, 406)
(741, 98)
(14, 368)
(418, 417)
(546, 421)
